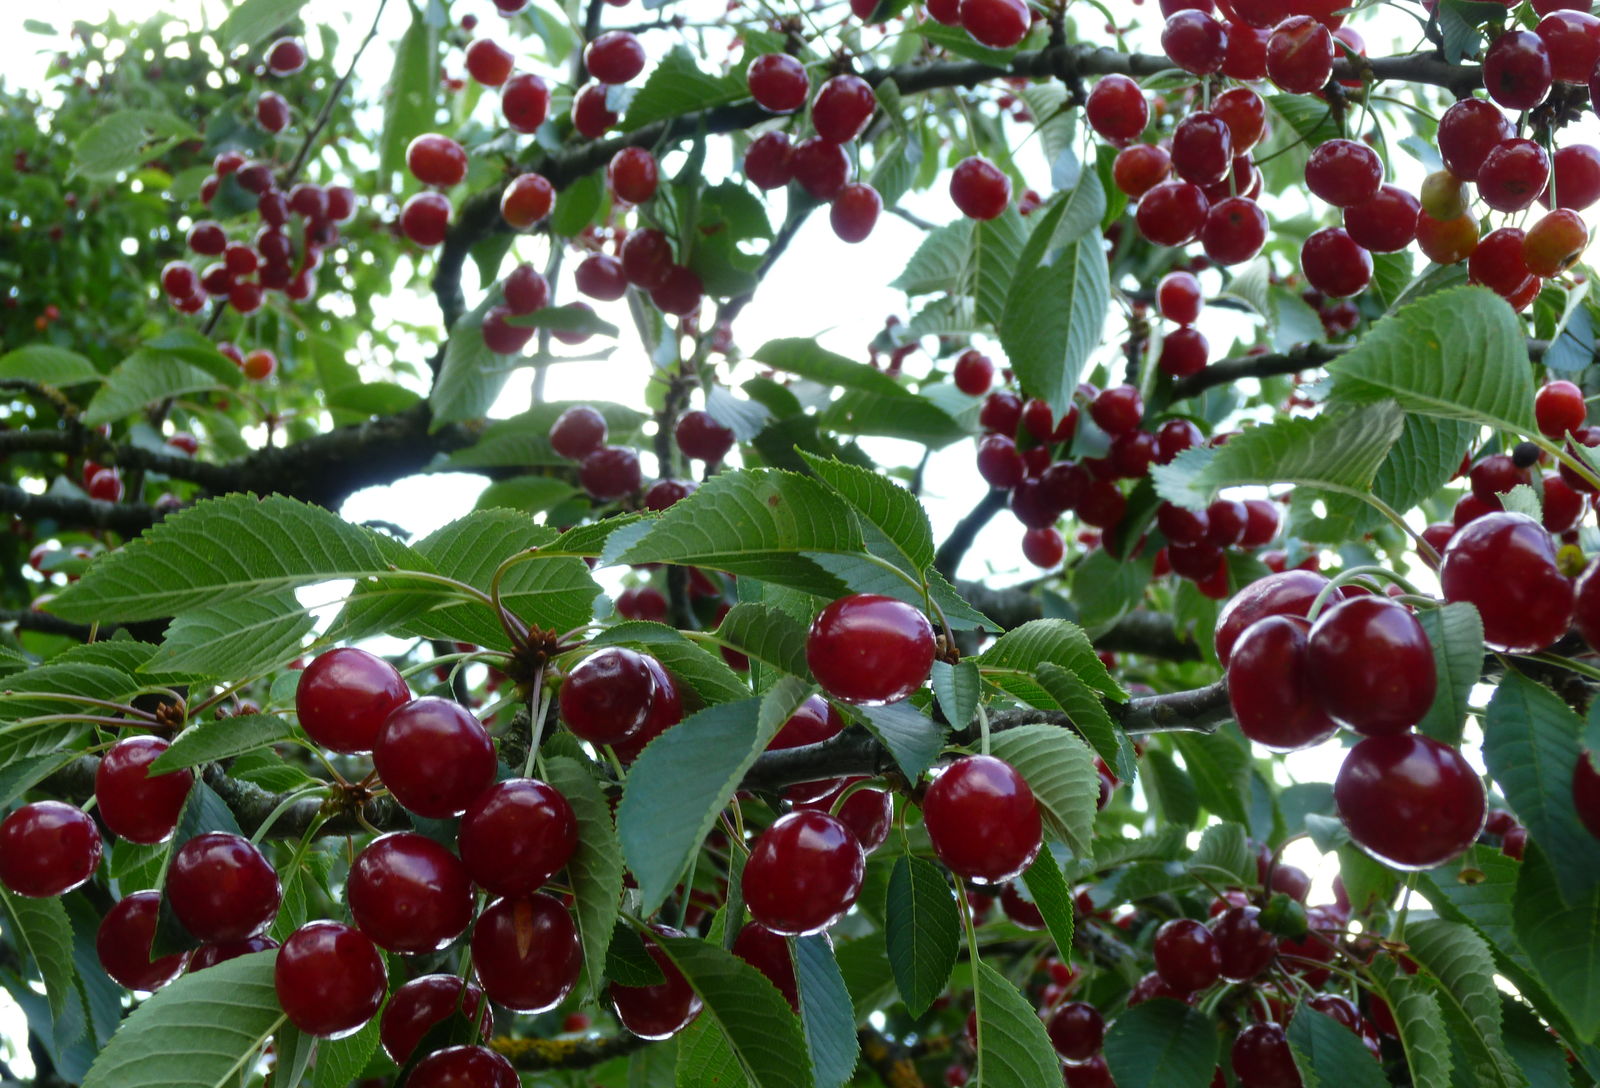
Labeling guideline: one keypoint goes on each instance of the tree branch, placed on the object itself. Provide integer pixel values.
(129, 519)
(954, 548)
(1228, 371)
(532, 1054)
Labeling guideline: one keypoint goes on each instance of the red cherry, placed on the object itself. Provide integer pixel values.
(1384, 223)
(1516, 70)
(1187, 956)
(184, 441)
(701, 438)
(662, 1009)
(489, 64)
(525, 290)
(516, 835)
(1498, 263)
(209, 955)
(1194, 41)
(610, 473)
(1505, 564)
(1261, 524)
(434, 757)
(425, 219)
(1555, 242)
(767, 161)
(947, 12)
(607, 695)
(855, 212)
(1564, 505)
(47, 848)
(843, 106)
(1572, 39)
(1245, 57)
(1300, 55)
(870, 649)
(409, 894)
(1235, 230)
(1468, 131)
(1513, 175)
(436, 160)
(1575, 176)
(222, 888)
(526, 953)
(464, 1067)
(803, 874)
(769, 953)
(815, 722)
(525, 102)
(633, 175)
(979, 189)
(1371, 665)
(1245, 114)
(1138, 169)
(329, 978)
(1586, 793)
(1334, 264)
(1344, 173)
(344, 696)
(1001, 412)
(1409, 801)
(578, 432)
(1043, 547)
(1116, 109)
(1447, 241)
(1183, 352)
(286, 56)
(135, 804)
(272, 112)
(1077, 1031)
(1117, 410)
(1202, 148)
(122, 944)
(982, 820)
(1270, 686)
(999, 24)
(679, 294)
(1261, 1058)
(105, 485)
(614, 57)
(820, 166)
(600, 276)
(1172, 213)
(416, 1007)
(591, 115)
(778, 82)
(867, 813)
(646, 258)
(1093, 1073)
(1245, 947)
(1178, 297)
(526, 200)
(973, 373)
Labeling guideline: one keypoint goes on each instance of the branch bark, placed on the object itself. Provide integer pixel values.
(129, 519)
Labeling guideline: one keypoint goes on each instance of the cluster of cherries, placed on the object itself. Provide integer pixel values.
(609, 473)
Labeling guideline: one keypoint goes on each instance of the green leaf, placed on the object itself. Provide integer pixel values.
(809, 359)
(202, 1031)
(47, 365)
(596, 866)
(236, 637)
(883, 504)
(151, 375)
(125, 140)
(1561, 937)
(912, 737)
(628, 962)
(704, 1058)
(1054, 317)
(1462, 962)
(706, 673)
(1422, 1032)
(471, 376)
(1048, 887)
(686, 776)
(1060, 771)
(957, 687)
(292, 1051)
(574, 318)
(1013, 1049)
(40, 929)
(527, 494)
(754, 1018)
(1170, 789)
(208, 742)
(1459, 354)
(340, 1061)
(412, 94)
(766, 634)
(1456, 634)
(1531, 748)
(1221, 773)
(1537, 1054)
(1329, 1053)
(222, 549)
(754, 522)
(1059, 642)
(1161, 1044)
(1225, 855)
(676, 86)
(997, 245)
(1089, 717)
(939, 264)
(577, 205)
(923, 930)
(825, 1013)
(1335, 451)
(1104, 588)
(252, 20)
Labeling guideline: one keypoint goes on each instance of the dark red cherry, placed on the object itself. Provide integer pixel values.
(1572, 39)
(1514, 174)
(209, 955)
(1384, 223)
(1270, 686)
(1001, 412)
(843, 106)
(329, 978)
(769, 953)
(614, 57)
(1138, 169)
(1178, 297)
(868, 813)
(1187, 956)
(1468, 131)
(1117, 410)
(1116, 109)
(803, 874)
(1093, 1073)
(286, 56)
(425, 219)
(1246, 54)
(1194, 41)
(1077, 1031)
(135, 804)
(973, 373)
(679, 293)
(600, 276)
(1586, 605)
(822, 167)
(516, 835)
(417, 1006)
(525, 102)
(527, 199)
(1261, 1058)
(578, 432)
(1263, 518)
(525, 290)
(436, 160)
(591, 115)
(1300, 55)
(488, 63)
(1505, 564)
(464, 1067)
(979, 188)
(1245, 114)
(1564, 505)
(1202, 148)
(1334, 264)
(1225, 522)
(434, 757)
(1371, 665)
(525, 950)
(813, 723)
(1044, 548)
(1173, 437)
(409, 894)
(1344, 173)
(1409, 801)
(662, 1009)
(982, 819)
(607, 695)
(855, 212)
(701, 438)
(222, 888)
(1516, 70)
(778, 82)
(1586, 793)
(999, 24)
(633, 175)
(1172, 213)
(344, 696)
(870, 649)
(1575, 171)
(123, 940)
(610, 473)
(1246, 949)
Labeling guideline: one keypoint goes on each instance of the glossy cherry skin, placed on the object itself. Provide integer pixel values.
(843, 107)
(1334, 264)
(1235, 229)
(436, 160)
(1194, 41)
(870, 649)
(662, 1009)
(855, 212)
(973, 373)
(1555, 243)
(769, 953)
(813, 723)
(979, 188)
(1077, 1031)
(417, 1006)
(1270, 686)
(222, 888)
(1505, 564)
(1447, 241)
(1513, 175)
(209, 955)
(1245, 114)
(1576, 173)
(778, 82)
(1261, 1058)
(868, 813)
(999, 24)
(286, 56)
(701, 438)
(607, 695)
(1371, 665)
(1516, 70)
(1289, 593)
(633, 175)
(488, 63)
(1178, 297)
(526, 952)
(464, 1067)
(1116, 109)
(434, 756)
(1172, 213)
(516, 835)
(1246, 949)
(1300, 55)
(1093, 1073)
(1384, 223)
(614, 57)
(1572, 39)
(1586, 793)
(590, 114)
(345, 695)
(1187, 955)
(330, 979)
(1344, 173)
(134, 804)
(525, 102)
(1202, 148)
(122, 944)
(822, 167)
(1468, 131)
(1139, 168)
(409, 894)
(526, 200)
(804, 873)
(983, 820)
(425, 219)
(578, 432)
(1586, 605)
(1409, 801)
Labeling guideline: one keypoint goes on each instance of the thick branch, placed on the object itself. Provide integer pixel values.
(1228, 371)
(531, 1054)
(125, 518)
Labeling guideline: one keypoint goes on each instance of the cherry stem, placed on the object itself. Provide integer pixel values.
(977, 985)
(852, 788)
(284, 806)
(1345, 577)
(327, 107)
(983, 730)
(108, 704)
(1575, 461)
(539, 703)
(1566, 663)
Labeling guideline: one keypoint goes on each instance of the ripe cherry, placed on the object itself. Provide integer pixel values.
(614, 57)
(820, 166)
(122, 944)
(577, 432)
(1246, 949)
(526, 200)
(525, 102)
(436, 160)
(222, 888)
(409, 894)
(999, 24)
(1202, 148)
(607, 695)
(1300, 55)
(525, 290)
(1468, 131)
(1572, 39)
(1001, 412)
(1262, 520)
(767, 161)
(425, 218)
(1093, 1073)
(417, 1006)
(982, 820)
(1116, 109)
(868, 813)
(600, 276)
(1187, 956)
(1261, 1058)
(679, 293)
(464, 1067)
(525, 950)
(47, 848)
(646, 258)
(1139, 168)
(272, 111)
(1178, 297)
(1371, 665)
(610, 473)
(1235, 230)
(843, 107)
(1245, 114)
(778, 82)
(434, 757)
(803, 874)
(1513, 175)
(1516, 70)
(1270, 686)
(1194, 41)
(769, 953)
(209, 955)
(1334, 264)
(1447, 241)
(1555, 242)
(1575, 176)
(1044, 547)
(105, 485)
(1498, 264)
(1077, 1031)
(1344, 173)
(1408, 800)
(344, 696)
(855, 212)
(286, 56)
(329, 978)
(1505, 564)
(662, 1009)
(1564, 505)
(633, 175)
(1245, 56)
(1117, 410)
(591, 114)
(979, 189)
(701, 438)
(135, 804)
(488, 63)
(1385, 222)
(516, 835)
(1172, 213)
(973, 373)
(870, 649)
(813, 723)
